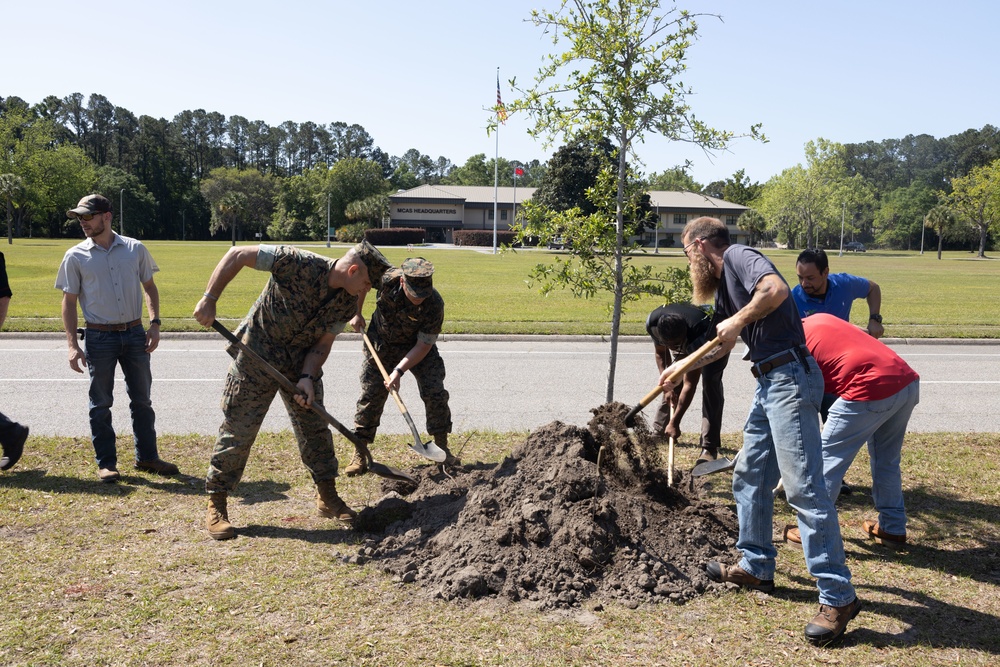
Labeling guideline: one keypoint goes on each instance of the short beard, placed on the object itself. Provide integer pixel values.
(703, 279)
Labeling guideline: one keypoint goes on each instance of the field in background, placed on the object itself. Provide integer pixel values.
(488, 294)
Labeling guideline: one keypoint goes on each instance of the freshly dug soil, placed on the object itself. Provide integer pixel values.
(551, 527)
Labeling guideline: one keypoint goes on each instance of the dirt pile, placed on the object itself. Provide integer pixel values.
(549, 526)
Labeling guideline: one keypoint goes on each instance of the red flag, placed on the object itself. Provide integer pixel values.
(519, 172)
(501, 111)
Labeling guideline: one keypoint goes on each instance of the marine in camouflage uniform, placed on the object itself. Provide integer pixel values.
(307, 301)
(404, 329)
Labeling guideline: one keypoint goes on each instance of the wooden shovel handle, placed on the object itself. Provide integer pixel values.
(684, 366)
(385, 375)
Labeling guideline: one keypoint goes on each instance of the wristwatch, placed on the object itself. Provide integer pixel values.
(156, 321)
(876, 317)
(306, 375)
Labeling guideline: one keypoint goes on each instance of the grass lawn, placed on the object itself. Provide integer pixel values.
(488, 294)
(125, 574)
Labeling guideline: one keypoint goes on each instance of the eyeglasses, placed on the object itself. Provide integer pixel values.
(700, 238)
(87, 217)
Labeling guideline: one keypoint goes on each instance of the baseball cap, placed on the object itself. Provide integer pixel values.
(418, 272)
(90, 204)
(374, 261)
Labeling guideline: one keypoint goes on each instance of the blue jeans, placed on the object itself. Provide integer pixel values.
(781, 440)
(882, 424)
(105, 350)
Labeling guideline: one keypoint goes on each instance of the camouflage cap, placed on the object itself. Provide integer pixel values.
(91, 204)
(374, 261)
(417, 272)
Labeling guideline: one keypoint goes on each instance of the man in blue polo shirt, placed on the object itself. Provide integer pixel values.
(820, 291)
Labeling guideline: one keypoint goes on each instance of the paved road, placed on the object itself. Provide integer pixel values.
(497, 384)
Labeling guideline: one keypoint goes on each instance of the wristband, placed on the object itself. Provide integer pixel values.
(306, 375)
(208, 295)
(399, 370)
(155, 321)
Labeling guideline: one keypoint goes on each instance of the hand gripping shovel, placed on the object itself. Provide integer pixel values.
(684, 367)
(428, 449)
(379, 469)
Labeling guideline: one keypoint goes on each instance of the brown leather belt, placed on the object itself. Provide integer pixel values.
(114, 327)
(796, 353)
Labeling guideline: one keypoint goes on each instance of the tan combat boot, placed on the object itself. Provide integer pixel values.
(330, 504)
(441, 440)
(358, 464)
(217, 518)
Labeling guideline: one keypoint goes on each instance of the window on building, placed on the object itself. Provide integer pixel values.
(490, 217)
(731, 220)
(680, 219)
(503, 215)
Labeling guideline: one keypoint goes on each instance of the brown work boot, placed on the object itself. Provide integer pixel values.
(158, 466)
(330, 504)
(734, 574)
(441, 440)
(881, 537)
(792, 535)
(707, 455)
(109, 475)
(358, 464)
(217, 518)
(830, 623)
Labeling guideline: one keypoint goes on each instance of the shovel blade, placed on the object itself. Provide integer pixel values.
(429, 450)
(382, 470)
(709, 467)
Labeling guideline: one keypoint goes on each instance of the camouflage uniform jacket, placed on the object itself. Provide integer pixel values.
(396, 322)
(295, 308)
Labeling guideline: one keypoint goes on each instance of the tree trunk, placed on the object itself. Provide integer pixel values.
(616, 315)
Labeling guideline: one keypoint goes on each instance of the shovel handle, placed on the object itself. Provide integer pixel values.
(683, 367)
(395, 394)
(287, 384)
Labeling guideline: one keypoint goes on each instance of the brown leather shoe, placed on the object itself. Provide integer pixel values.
(792, 535)
(830, 623)
(734, 574)
(109, 475)
(707, 455)
(158, 466)
(881, 537)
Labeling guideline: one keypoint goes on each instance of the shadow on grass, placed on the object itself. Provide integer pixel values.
(937, 519)
(40, 480)
(340, 535)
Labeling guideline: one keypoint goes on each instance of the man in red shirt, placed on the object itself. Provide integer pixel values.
(877, 392)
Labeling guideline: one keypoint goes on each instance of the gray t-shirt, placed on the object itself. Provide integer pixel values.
(780, 330)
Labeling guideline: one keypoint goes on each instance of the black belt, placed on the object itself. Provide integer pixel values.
(800, 353)
(114, 327)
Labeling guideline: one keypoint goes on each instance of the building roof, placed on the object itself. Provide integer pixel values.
(690, 201)
(483, 194)
(471, 194)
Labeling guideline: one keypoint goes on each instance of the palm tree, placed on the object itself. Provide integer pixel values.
(941, 219)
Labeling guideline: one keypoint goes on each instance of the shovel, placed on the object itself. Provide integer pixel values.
(709, 467)
(379, 469)
(683, 368)
(428, 449)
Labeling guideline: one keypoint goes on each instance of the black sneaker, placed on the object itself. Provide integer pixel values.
(14, 447)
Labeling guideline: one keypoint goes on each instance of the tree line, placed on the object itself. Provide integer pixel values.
(201, 175)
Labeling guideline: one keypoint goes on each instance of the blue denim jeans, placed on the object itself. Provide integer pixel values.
(882, 424)
(105, 351)
(781, 440)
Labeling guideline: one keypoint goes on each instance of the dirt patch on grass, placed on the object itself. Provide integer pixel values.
(551, 526)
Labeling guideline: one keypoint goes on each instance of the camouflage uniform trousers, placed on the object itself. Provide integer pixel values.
(248, 394)
(429, 374)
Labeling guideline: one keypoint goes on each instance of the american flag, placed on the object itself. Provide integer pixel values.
(501, 111)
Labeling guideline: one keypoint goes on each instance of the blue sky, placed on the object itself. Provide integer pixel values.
(423, 74)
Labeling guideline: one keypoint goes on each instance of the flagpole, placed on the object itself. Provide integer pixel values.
(513, 218)
(496, 162)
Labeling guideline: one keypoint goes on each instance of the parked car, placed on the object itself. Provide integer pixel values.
(855, 246)
(556, 243)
